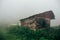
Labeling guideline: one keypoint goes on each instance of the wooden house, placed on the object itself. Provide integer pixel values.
(41, 20)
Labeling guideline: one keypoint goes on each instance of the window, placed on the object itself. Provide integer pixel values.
(41, 23)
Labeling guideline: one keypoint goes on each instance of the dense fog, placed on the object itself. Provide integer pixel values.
(11, 11)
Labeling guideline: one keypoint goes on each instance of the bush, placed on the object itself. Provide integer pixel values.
(24, 33)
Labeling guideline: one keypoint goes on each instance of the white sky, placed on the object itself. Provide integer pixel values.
(11, 11)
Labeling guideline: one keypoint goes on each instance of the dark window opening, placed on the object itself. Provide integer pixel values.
(41, 23)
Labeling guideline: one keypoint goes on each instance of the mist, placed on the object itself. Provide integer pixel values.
(11, 11)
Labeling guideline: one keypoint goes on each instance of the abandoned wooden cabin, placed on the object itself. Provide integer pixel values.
(41, 20)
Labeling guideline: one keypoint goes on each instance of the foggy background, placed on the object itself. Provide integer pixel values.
(11, 11)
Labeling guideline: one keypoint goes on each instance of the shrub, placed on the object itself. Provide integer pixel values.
(24, 33)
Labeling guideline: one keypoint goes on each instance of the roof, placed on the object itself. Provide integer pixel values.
(44, 14)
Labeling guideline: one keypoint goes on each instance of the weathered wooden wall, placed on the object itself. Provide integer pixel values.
(31, 23)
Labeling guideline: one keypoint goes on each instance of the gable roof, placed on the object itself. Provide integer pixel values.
(44, 14)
